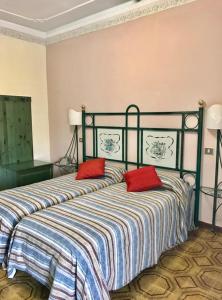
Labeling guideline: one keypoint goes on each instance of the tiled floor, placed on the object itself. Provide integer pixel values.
(191, 271)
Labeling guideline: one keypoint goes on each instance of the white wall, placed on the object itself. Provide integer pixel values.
(23, 73)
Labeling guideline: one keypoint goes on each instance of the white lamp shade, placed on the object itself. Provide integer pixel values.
(75, 117)
(214, 117)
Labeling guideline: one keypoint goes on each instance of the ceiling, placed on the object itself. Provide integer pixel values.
(50, 21)
(46, 15)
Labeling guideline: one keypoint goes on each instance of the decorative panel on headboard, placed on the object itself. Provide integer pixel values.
(15, 129)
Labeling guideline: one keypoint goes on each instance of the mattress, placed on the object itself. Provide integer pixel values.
(85, 248)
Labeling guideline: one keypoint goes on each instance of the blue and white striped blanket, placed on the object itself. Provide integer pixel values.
(85, 248)
(17, 203)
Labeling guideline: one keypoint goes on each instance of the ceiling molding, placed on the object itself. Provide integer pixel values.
(112, 17)
(105, 19)
(22, 32)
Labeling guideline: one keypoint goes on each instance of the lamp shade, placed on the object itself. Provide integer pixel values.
(75, 117)
(214, 117)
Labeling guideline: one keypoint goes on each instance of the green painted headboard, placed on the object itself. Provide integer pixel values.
(162, 146)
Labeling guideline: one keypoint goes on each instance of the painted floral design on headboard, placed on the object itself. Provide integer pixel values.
(109, 143)
(159, 148)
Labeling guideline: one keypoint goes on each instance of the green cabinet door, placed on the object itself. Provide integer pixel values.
(18, 129)
(3, 143)
(15, 136)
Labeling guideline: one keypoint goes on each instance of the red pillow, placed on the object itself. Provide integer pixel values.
(91, 169)
(142, 179)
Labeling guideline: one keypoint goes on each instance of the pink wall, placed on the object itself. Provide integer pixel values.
(166, 61)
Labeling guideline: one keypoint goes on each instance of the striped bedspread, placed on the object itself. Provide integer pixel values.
(85, 248)
(20, 202)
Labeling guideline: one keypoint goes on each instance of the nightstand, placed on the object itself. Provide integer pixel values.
(211, 192)
(66, 169)
(23, 173)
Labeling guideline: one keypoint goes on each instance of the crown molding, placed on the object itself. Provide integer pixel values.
(22, 32)
(105, 19)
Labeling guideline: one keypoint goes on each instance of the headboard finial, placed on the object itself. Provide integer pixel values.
(201, 103)
(83, 107)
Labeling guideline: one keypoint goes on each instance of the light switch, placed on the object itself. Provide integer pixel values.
(209, 151)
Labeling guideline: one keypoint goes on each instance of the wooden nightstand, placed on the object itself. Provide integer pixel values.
(13, 175)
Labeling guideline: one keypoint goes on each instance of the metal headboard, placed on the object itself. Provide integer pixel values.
(180, 147)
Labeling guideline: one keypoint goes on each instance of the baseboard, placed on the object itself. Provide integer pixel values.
(209, 226)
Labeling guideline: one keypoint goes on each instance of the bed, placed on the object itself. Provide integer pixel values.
(17, 203)
(98, 242)
(84, 248)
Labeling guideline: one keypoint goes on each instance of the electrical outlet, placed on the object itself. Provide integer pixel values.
(209, 151)
(80, 140)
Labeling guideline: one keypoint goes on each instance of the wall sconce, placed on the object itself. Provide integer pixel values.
(75, 120)
(70, 161)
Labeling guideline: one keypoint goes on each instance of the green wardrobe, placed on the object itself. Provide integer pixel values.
(16, 148)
